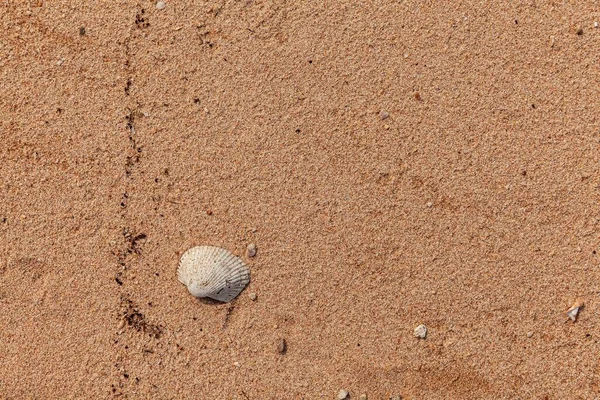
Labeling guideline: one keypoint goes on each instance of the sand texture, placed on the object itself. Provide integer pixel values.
(396, 163)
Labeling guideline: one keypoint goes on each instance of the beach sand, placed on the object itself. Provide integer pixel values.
(396, 163)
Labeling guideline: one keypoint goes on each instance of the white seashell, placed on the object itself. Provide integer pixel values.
(213, 272)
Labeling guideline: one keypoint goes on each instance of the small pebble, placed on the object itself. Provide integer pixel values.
(161, 5)
(121, 324)
(421, 331)
(429, 204)
(282, 346)
(396, 398)
(383, 115)
(251, 250)
(580, 31)
(237, 364)
(363, 397)
(529, 334)
(252, 296)
(596, 24)
(342, 394)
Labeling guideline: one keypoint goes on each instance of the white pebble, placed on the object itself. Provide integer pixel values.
(383, 115)
(237, 364)
(421, 331)
(252, 296)
(529, 334)
(161, 5)
(251, 250)
(363, 397)
(596, 24)
(429, 204)
(342, 394)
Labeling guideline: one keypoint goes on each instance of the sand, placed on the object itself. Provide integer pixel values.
(130, 134)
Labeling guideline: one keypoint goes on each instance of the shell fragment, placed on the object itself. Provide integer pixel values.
(574, 310)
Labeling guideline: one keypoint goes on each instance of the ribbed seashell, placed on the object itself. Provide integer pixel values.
(213, 272)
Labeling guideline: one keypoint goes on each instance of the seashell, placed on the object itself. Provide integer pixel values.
(574, 310)
(213, 272)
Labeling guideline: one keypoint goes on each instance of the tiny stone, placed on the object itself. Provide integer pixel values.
(421, 331)
(82, 31)
(363, 397)
(342, 394)
(529, 334)
(251, 250)
(252, 296)
(237, 364)
(580, 31)
(121, 324)
(429, 204)
(596, 24)
(396, 398)
(383, 115)
(282, 346)
(161, 5)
